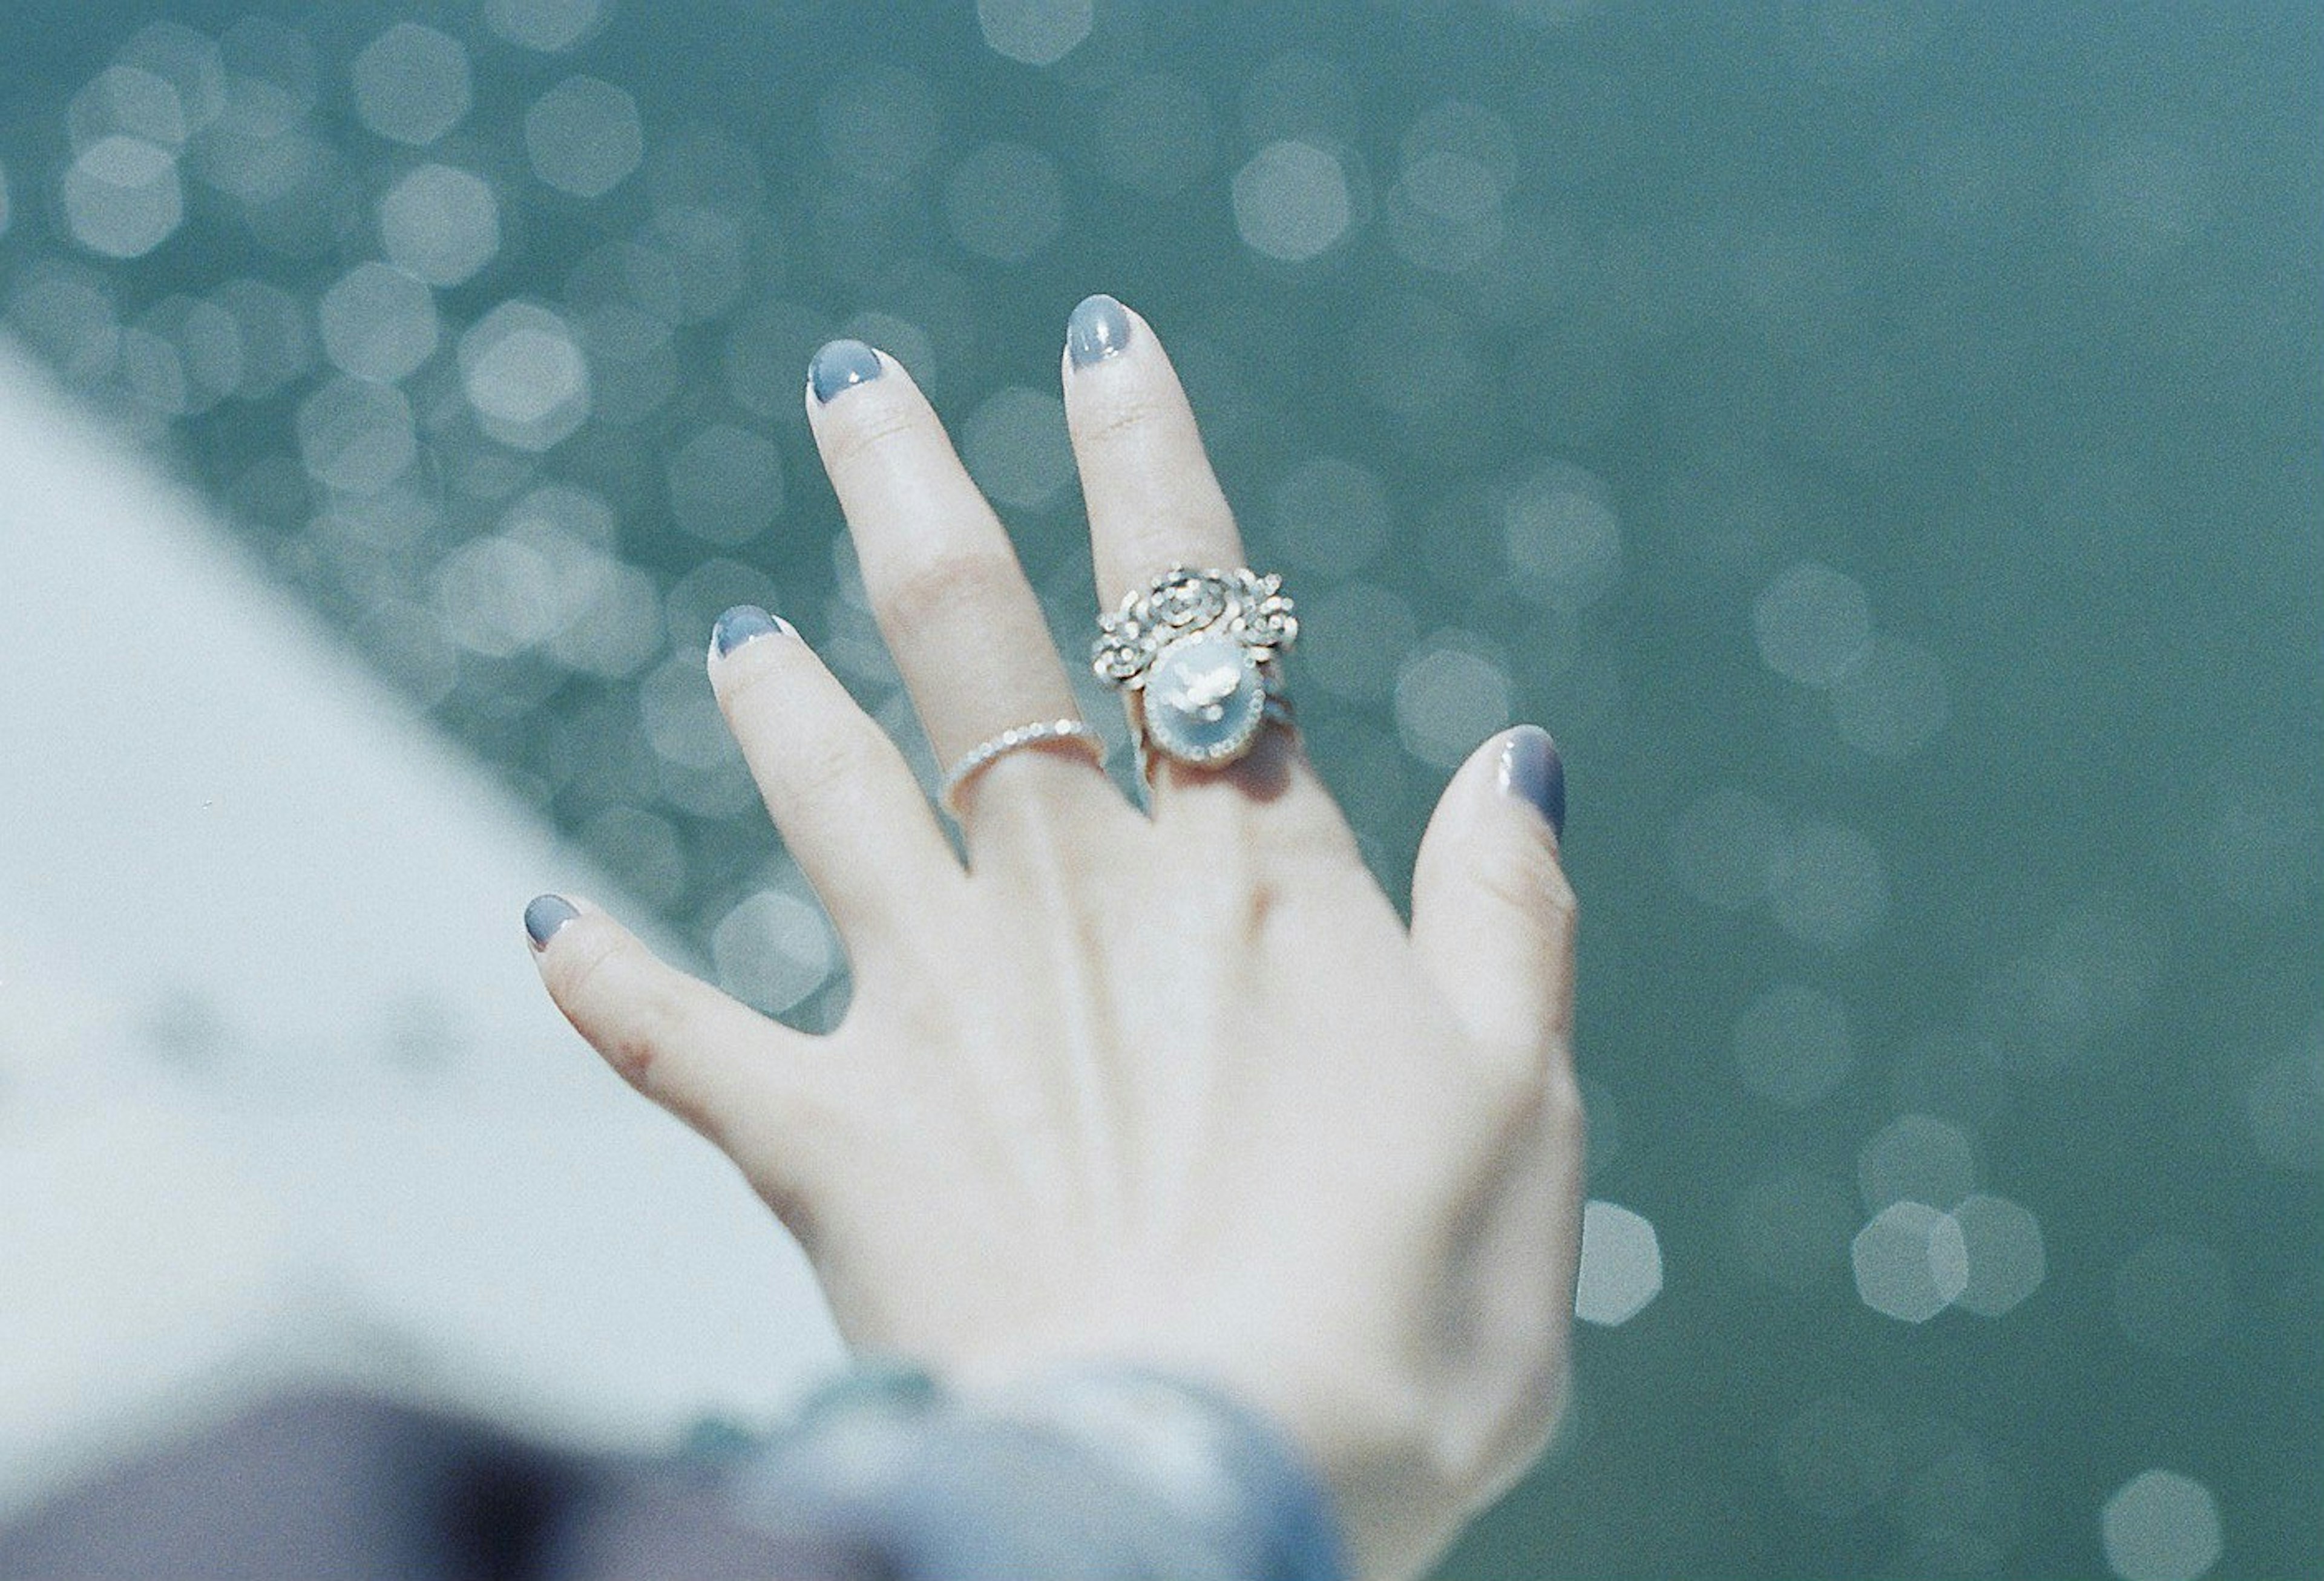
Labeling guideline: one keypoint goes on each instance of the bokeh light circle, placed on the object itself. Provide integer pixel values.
(2162, 1526)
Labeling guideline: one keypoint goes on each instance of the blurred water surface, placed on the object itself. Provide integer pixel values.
(1880, 439)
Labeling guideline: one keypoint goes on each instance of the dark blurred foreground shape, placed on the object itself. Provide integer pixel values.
(339, 1488)
(1096, 1473)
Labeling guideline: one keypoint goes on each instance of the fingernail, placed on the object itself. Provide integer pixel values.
(840, 367)
(741, 623)
(545, 915)
(1531, 768)
(1099, 329)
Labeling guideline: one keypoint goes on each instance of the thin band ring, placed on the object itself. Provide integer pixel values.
(1047, 732)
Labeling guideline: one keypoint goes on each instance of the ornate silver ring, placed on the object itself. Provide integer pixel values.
(1045, 732)
(1198, 653)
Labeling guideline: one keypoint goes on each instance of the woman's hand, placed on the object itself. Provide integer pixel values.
(1179, 1088)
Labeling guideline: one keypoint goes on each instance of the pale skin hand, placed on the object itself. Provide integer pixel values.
(1180, 1089)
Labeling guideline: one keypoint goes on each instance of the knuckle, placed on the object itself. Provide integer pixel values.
(871, 428)
(609, 1012)
(579, 987)
(1528, 880)
(1529, 886)
(636, 1046)
(832, 762)
(937, 588)
(1127, 413)
(630, 1015)
(826, 743)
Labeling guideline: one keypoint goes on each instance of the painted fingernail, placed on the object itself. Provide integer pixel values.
(840, 367)
(741, 623)
(545, 915)
(1531, 768)
(1099, 329)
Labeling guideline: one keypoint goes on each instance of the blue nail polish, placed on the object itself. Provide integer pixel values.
(545, 915)
(1099, 329)
(1531, 768)
(741, 623)
(840, 367)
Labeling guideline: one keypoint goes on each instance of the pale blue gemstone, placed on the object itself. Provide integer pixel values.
(1203, 698)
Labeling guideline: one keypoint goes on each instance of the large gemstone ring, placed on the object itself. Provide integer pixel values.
(1198, 653)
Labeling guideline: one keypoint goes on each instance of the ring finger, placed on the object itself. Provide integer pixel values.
(966, 628)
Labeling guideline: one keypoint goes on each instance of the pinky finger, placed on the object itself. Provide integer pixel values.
(716, 1064)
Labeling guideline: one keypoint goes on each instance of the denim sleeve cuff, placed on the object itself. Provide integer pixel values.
(1223, 1470)
(1084, 1471)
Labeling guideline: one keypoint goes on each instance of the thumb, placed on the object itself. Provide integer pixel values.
(1492, 915)
(714, 1063)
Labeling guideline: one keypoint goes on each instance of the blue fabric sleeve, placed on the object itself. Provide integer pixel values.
(1083, 1474)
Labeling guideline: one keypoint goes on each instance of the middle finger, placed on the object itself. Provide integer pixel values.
(944, 582)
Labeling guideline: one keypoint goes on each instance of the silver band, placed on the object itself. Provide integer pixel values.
(1071, 732)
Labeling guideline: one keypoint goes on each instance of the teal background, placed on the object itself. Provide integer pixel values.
(2008, 812)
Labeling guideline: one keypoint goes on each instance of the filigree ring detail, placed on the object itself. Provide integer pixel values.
(1198, 652)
